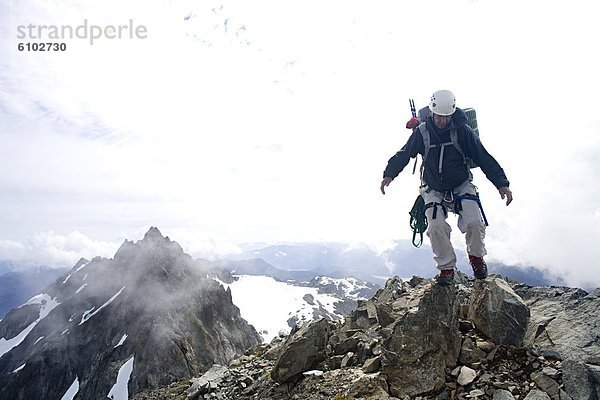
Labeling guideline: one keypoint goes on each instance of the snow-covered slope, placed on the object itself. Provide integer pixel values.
(272, 306)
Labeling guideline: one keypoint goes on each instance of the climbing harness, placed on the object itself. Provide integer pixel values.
(453, 202)
(475, 198)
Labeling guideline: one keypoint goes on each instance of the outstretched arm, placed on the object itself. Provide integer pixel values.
(396, 164)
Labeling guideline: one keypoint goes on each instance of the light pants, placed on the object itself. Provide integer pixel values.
(470, 222)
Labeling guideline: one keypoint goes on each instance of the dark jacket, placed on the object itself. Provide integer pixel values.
(454, 170)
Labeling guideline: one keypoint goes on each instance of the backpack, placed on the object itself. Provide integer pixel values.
(471, 121)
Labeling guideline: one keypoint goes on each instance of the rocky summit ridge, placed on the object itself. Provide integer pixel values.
(489, 339)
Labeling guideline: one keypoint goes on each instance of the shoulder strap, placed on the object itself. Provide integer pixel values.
(454, 138)
(426, 139)
(466, 160)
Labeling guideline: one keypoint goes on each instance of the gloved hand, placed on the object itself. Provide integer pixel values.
(412, 123)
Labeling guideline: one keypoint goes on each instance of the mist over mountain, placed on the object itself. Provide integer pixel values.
(151, 313)
(307, 260)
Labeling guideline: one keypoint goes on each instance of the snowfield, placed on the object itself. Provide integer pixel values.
(268, 304)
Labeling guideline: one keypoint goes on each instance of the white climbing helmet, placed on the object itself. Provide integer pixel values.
(443, 102)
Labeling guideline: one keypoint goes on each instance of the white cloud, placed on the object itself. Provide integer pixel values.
(273, 121)
(54, 250)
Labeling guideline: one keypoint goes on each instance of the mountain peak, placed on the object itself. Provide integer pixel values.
(153, 234)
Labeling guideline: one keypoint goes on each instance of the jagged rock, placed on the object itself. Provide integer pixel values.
(582, 380)
(347, 345)
(371, 365)
(303, 350)
(564, 325)
(416, 281)
(475, 393)
(499, 313)
(502, 394)
(424, 340)
(210, 379)
(547, 384)
(469, 353)
(551, 372)
(536, 395)
(347, 360)
(385, 314)
(485, 346)
(372, 387)
(466, 376)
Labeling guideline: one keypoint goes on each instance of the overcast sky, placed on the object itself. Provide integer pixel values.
(273, 121)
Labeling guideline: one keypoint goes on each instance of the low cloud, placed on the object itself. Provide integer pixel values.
(55, 250)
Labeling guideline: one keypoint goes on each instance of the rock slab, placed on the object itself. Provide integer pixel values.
(499, 313)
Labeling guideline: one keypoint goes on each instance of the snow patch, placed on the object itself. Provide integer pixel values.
(65, 331)
(81, 266)
(81, 288)
(220, 282)
(119, 390)
(20, 368)
(48, 304)
(121, 341)
(72, 391)
(87, 315)
(85, 277)
(66, 279)
(40, 338)
(37, 299)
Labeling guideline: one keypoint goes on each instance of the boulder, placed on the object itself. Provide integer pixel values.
(372, 387)
(547, 384)
(466, 376)
(502, 394)
(423, 342)
(537, 395)
(470, 353)
(210, 379)
(371, 365)
(499, 313)
(302, 351)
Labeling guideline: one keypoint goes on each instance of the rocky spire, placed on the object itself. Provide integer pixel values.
(153, 234)
(151, 311)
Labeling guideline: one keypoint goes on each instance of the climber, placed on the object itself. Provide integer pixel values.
(446, 182)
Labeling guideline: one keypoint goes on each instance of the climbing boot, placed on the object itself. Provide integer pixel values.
(479, 267)
(445, 278)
